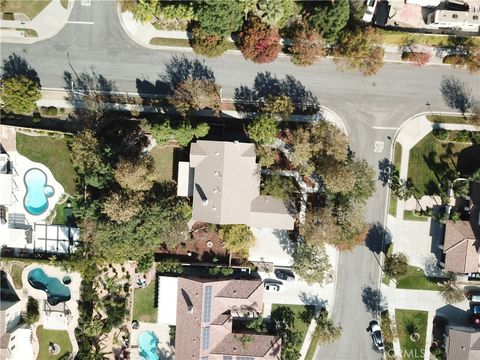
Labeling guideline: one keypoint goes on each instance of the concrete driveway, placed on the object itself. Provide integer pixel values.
(271, 246)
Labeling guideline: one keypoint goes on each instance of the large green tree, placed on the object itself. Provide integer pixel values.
(183, 132)
(210, 45)
(310, 262)
(195, 94)
(238, 238)
(263, 129)
(144, 10)
(135, 175)
(396, 265)
(19, 94)
(270, 11)
(219, 17)
(330, 19)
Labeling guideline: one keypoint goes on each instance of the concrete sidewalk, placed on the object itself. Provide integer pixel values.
(47, 24)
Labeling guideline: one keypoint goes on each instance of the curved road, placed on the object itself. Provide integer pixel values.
(372, 109)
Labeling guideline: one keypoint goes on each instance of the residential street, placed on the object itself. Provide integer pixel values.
(372, 109)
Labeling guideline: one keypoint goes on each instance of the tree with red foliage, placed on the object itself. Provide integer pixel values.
(307, 46)
(259, 42)
(418, 58)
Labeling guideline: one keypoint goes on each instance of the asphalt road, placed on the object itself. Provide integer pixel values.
(372, 109)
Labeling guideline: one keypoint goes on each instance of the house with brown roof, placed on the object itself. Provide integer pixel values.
(462, 343)
(223, 179)
(206, 312)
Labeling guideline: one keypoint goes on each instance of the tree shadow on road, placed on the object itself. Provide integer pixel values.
(455, 94)
(378, 237)
(311, 299)
(386, 170)
(374, 301)
(15, 65)
(265, 84)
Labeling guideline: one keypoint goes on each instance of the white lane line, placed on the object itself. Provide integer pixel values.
(81, 22)
(385, 128)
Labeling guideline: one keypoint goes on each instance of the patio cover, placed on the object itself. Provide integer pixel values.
(185, 179)
(167, 300)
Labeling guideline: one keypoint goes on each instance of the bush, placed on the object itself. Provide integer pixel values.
(170, 265)
(32, 311)
(8, 16)
(463, 136)
(259, 42)
(475, 137)
(36, 118)
(208, 45)
(49, 111)
(61, 111)
(454, 59)
(146, 262)
(417, 57)
(440, 134)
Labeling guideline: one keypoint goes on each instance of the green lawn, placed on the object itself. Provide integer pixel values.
(411, 216)
(53, 153)
(447, 119)
(64, 3)
(386, 278)
(144, 308)
(59, 337)
(397, 161)
(416, 280)
(64, 215)
(408, 322)
(16, 274)
(169, 42)
(392, 37)
(31, 8)
(298, 324)
(163, 157)
(429, 160)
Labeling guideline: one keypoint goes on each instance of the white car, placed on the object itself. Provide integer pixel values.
(272, 287)
(376, 333)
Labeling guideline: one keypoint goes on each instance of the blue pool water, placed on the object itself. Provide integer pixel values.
(56, 291)
(147, 344)
(38, 192)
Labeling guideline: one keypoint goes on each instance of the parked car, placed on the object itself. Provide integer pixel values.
(283, 274)
(271, 286)
(376, 333)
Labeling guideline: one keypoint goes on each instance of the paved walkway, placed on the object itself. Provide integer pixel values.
(47, 24)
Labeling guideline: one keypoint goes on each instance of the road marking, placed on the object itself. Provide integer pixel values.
(81, 22)
(385, 128)
(85, 2)
(379, 145)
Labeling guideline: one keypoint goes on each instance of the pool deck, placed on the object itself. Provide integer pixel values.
(55, 320)
(162, 333)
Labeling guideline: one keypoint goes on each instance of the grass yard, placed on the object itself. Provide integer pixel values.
(397, 161)
(392, 37)
(31, 8)
(416, 280)
(64, 3)
(386, 278)
(408, 322)
(411, 216)
(429, 160)
(447, 119)
(59, 337)
(53, 153)
(163, 157)
(144, 308)
(16, 274)
(298, 324)
(64, 214)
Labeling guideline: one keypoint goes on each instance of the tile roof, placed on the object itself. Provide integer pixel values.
(461, 344)
(460, 247)
(258, 346)
(239, 289)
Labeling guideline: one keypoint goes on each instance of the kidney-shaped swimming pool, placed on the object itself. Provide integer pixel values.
(56, 291)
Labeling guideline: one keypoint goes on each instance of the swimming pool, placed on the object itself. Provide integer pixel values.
(56, 291)
(35, 201)
(147, 344)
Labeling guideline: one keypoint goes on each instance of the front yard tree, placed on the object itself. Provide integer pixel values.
(238, 238)
(350, 216)
(321, 227)
(20, 94)
(144, 10)
(134, 175)
(210, 45)
(280, 106)
(259, 42)
(326, 331)
(451, 293)
(219, 17)
(263, 129)
(360, 49)
(331, 19)
(307, 46)
(196, 94)
(396, 265)
(310, 262)
(182, 132)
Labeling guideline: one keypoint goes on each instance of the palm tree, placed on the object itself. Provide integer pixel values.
(94, 328)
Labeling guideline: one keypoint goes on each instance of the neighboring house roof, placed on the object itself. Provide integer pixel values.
(460, 247)
(205, 312)
(463, 343)
(226, 187)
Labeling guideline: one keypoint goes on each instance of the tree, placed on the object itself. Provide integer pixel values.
(33, 314)
(451, 293)
(196, 94)
(257, 324)
(278, 186)
(93, 328)
(145, 10)
(280, 106)
(321, 227)
(306, 46)
(20, 94)
(418, 58)
(90, 160)
(183, 132)
(310, 262)
(396, 265)
(326, 331)
(360, 49)
(266, 155)
(337, 176)
(134, 175)
(219, 17)
(238, 238)
(124, 206)
(259, 42)
(466, 52)
(263, 129)
(210, 45)
(364, 184)
(249, 6)
(331, 19)
(170, 266)
(270, 11)
(350, 216)
(145, 263)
